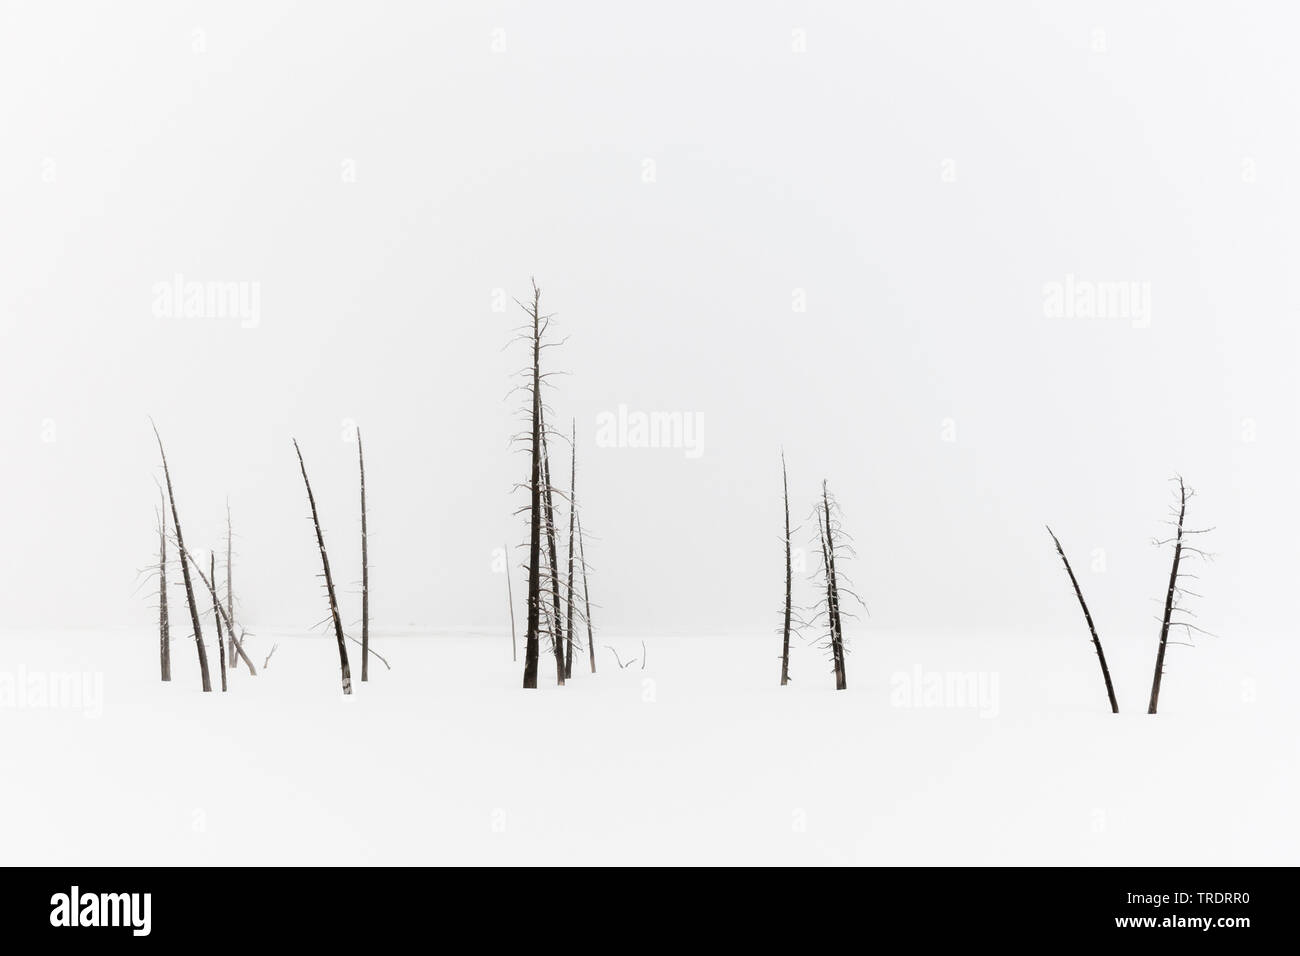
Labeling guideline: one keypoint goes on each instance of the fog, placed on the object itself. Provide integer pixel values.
(979, 269)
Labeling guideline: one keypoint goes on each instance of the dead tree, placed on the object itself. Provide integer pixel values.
(535, 495)
(1173, 611)
(216, 616)
(510, 602)
(835, 546)
(556, 620)
(586, 593)
(789, 579)
(1092, 629)
(329, 578)
(164, 625)
(543, 562)
(234, 647)
(185, 568)
(365, 571)
(568, 590)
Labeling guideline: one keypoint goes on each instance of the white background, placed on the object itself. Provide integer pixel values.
(1147, 142)
(915, 173)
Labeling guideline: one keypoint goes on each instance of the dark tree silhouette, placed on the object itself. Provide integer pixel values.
(531, 641)
(835, 547)
(164, 625)
(365, 571)
(568, 589)
(216, 617)
(586, 594)
(1173, 612)
(789, 579)
(1092, 629)
(185, 568)
(545, 615)
(329, 578)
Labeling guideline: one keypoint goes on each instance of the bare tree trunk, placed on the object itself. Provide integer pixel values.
(573, 490)
(365, 571)
(789, 579)
(1169, 599)
(557, 630)
(535, 505)
(164, 624)
(185, 569)
(329, 578)
(216, 616)
(510, 601)
(830, 621)
(1087, 616)
(833, 597)
(586, 595)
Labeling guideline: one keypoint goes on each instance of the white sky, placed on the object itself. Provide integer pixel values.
(1171, 157)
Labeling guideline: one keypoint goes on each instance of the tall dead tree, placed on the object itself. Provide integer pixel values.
(329, 578)
(568, 590)
(556, 620)
(1174, 613)
(365, 571)
(216, 617)
(531, 641)
(185, 568)
(586, 594)
(1092, 629)
(789, 579)
(835, 546)
(544, 616)
(164, 625)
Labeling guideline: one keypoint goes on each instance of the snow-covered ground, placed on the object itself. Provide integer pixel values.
(971, 748)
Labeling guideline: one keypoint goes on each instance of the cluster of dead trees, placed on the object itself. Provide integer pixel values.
(554, 610)
(335, 618)
(834, 546)
(230, 648)
(229, 644)
(1175, 614)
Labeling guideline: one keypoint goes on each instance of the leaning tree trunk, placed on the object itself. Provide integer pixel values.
(830, 600)
(568, 590)
(535, 505)
(185, 570)
(365, 571)
(1169, 600)
(586, 595)
(833, 597)
(789, 580)
(557, 630)
(216, 616)
(164, 625)
(1087, 616)
(211, 585)
(329, 578)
